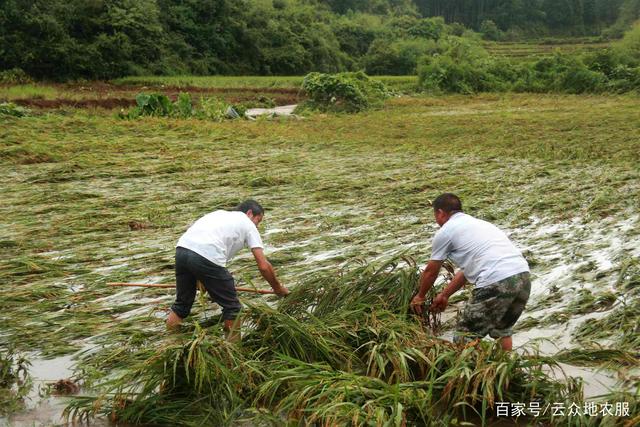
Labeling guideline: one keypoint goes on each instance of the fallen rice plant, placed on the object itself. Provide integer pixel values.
(355, 363)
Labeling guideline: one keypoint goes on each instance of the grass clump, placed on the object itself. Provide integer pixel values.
(343, 92)
(14, 76)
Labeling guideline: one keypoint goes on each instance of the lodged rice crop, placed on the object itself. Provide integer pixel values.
(340, 350)
(90, 199)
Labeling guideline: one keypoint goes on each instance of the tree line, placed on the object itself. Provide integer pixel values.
(101, 39)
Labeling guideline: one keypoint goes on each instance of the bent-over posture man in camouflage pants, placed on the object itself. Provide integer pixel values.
(488, 259)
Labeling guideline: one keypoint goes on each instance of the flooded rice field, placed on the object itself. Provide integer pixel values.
(89, 199)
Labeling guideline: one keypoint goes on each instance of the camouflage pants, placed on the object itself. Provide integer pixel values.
(495, 308)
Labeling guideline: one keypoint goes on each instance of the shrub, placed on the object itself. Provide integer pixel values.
(456, 29)
(490, 30)
(14, 76)
(396, 58)
(624, 79)
(430, 28)
(604, 61)
(444, 74)
(629, 47)
(11, 109)
(461, 66)
(343, 92)
(579, 79)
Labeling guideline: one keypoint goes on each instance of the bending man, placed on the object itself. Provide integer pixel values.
(488, 259)
(202, 254)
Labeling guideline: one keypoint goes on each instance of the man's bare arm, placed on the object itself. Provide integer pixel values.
(442, 299)
(427, 279)
(267, 271)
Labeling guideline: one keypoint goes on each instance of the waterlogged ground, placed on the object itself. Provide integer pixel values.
(90, 199)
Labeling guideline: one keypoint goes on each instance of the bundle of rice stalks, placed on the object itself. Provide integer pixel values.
(386, 287)
(316, 394)
(198, 381)
(338, 351)
(391, 347)
(271, 332)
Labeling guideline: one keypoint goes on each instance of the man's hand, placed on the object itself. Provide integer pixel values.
(417, 304)
(439, 303)
(282, 291)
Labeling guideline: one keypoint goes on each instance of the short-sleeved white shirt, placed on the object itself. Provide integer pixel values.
(481, 250)
(219, 235)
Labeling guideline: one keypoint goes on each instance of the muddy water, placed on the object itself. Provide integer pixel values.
(45, 411)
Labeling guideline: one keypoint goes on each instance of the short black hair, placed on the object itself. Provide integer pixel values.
(448, 202)
(250, 205)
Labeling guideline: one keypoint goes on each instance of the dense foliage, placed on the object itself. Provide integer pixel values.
(344, 92)
(576, 17)
(463, 66)
(102, 39)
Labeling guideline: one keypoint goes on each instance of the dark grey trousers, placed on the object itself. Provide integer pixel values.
(191, 267)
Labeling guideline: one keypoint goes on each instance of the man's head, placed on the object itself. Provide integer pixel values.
(444, 206)
(253, 209)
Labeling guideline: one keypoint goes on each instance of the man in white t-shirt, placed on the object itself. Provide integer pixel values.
(202, 254)
(486, 258)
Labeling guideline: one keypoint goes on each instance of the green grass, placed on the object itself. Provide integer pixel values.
(39, 91)
(339, 189)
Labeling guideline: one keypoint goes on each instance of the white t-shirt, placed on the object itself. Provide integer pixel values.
(219, 235)
(481, 250)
